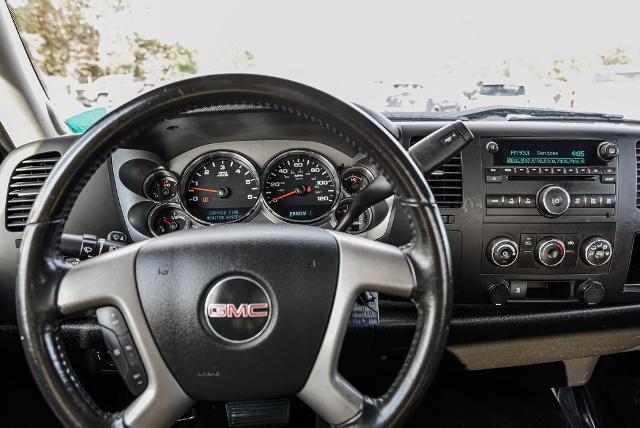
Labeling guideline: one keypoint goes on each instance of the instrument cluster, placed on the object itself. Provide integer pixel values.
(224, 186)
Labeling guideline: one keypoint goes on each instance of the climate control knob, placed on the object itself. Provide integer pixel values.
(550, 252)
(553, 201)
(502, 251)
(596, 251)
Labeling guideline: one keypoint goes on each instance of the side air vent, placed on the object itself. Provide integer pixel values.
(638, 175)
(25, 183)
(446, 181)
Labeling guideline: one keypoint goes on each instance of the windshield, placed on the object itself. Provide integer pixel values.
(396, 56)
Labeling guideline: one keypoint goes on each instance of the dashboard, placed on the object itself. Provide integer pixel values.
(539, 215)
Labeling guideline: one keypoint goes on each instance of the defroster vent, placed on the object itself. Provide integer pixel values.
(446, 181)
(25, 183)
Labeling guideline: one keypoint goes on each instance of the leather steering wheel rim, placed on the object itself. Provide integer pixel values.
(41, 270)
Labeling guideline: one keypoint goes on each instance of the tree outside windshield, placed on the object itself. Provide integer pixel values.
(399, 56)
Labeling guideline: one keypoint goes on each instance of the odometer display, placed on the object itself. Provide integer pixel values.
(220, 187)
(300, 187)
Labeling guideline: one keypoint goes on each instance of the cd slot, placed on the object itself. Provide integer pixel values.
(552, 177)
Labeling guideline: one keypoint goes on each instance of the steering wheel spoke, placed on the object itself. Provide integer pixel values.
(365, 265)
(109, 280)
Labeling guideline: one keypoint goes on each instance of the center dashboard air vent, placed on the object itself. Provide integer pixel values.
(446, 181)
(25, 183)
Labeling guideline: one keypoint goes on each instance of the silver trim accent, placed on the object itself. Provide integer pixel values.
(323, 160)
(161, 207)
(109, 279)
(364, 265)
(592, 240)
(541, 198)
(255, 336)
(507, 242)
(545, 241)
(245, 161)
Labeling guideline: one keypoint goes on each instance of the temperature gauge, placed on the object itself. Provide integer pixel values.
(160, 186)
(360, 224)
(167, 219)
(355, 179)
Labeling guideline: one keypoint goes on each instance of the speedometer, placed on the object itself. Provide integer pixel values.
(300, 186)
(220, 187)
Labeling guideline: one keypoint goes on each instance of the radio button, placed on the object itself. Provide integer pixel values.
(558, 170)
(511, 201)
(493, 179)
(578, 201)
(570, 171)
(492, 171)
(522, 170)
(608, 179)
(534, 170)
(527, 201)
(594, 201)
(495, 201)
(595, 170)
(608, 201)
(508, 171)
(609, 170)
(583, 170)
(546, 170)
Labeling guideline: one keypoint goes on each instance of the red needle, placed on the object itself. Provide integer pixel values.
(286, 195)
(165, 221)
(204, 189)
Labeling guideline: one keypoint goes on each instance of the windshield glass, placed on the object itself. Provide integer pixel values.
(399, 56)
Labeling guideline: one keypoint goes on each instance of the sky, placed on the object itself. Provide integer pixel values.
(339, 45)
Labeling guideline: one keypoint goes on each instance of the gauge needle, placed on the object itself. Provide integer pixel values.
(165, 221)
(286, 195)
(204, 189)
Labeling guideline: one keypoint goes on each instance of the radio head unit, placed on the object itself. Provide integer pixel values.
(552, 178)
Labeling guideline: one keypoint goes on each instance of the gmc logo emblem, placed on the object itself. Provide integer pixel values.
(244, 310)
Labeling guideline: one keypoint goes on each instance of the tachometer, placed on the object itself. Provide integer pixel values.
(300, 186)
(220, 187)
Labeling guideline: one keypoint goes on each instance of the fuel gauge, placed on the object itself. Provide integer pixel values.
(167, 219)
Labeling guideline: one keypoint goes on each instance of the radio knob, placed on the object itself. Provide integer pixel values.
(550, 252)
(607, 151)
(596, 251)
(502, 251)
(553, 201)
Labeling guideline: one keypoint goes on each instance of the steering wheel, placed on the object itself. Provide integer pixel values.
(233, 312)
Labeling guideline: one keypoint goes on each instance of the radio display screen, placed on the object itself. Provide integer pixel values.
(573, 153)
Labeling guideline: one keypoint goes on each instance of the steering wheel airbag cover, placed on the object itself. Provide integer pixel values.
(175, 273)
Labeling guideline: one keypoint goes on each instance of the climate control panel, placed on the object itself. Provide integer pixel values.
(548, 251)
(544, 249)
